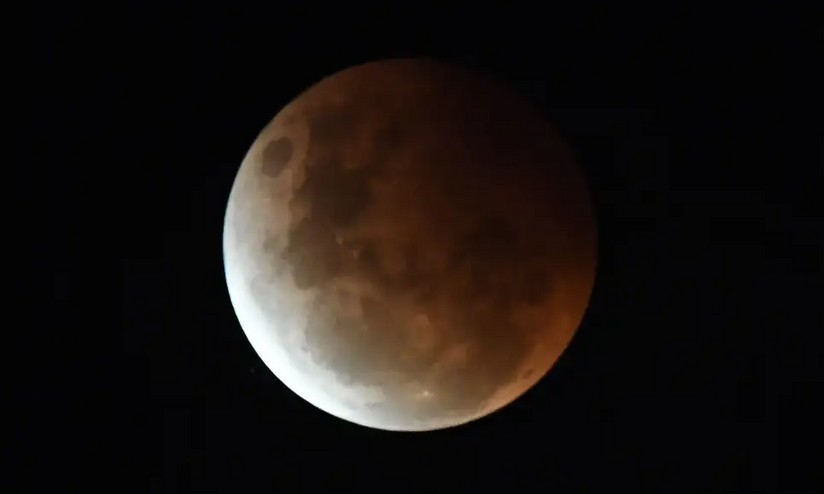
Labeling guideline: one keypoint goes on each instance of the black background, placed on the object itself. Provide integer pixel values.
(693, 370)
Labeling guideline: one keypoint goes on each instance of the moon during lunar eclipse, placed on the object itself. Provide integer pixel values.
(409, 245)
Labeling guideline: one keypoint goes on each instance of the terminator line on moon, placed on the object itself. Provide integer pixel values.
(409, 246)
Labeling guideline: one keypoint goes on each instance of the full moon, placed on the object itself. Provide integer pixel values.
(409, 245)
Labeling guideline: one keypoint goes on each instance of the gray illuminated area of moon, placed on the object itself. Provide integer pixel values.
(409, 246)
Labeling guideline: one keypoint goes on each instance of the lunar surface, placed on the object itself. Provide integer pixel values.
(409, 246)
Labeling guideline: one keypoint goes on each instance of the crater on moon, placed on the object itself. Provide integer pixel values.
(429, 252)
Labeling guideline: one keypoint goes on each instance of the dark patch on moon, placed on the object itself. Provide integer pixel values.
(276, 157)
(313, 254)
(386, 140)
(337, 194)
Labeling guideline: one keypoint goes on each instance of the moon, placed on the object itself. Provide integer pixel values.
(409, 245)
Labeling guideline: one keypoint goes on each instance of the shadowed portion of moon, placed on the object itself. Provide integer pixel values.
(437, 230)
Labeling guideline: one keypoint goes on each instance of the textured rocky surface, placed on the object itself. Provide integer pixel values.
(409, 246)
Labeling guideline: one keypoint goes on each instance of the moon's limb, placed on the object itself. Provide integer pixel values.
(408, 246)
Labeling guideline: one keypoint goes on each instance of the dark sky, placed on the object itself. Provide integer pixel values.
(692, 372)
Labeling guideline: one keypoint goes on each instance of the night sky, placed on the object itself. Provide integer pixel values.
(693, 370)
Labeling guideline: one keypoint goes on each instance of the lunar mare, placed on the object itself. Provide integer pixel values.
(409, 246)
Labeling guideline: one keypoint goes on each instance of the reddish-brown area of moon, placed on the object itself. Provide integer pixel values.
(409, 245)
